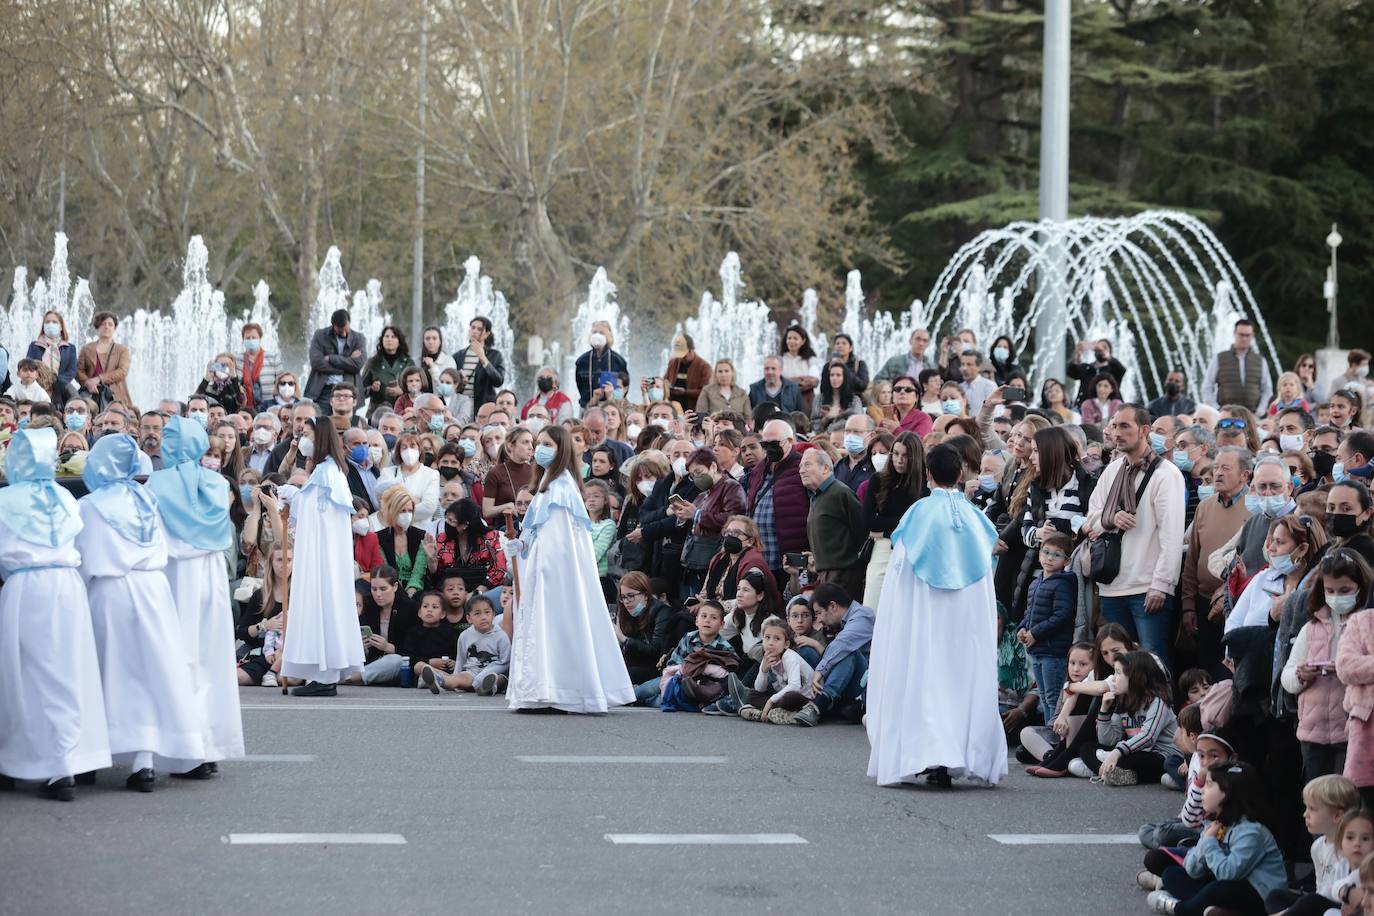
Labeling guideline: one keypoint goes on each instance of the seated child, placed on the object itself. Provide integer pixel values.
(710, 617)
(431, 644)
(28, 387)
(1326, 800)
(1206, 752)
(784, 681)
(1194, 684)
(1134, 726)
(807, 640)
(454, 588)
(1044, 742)
(484, 652)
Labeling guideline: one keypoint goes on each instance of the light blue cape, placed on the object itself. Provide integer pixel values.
(122, 501)
(33, 507)
(562, 494)
(329, 477)
(948, 542)
(194, 502)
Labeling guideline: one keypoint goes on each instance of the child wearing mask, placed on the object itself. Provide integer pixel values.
(367, 552)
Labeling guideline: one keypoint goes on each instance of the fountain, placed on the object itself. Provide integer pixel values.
(733, 328)
(1159, 285)
(881, 337)
(364, 310)
(476, 297)
(22, 321)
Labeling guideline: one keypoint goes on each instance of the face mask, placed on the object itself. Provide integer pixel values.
(200, 417)
(655, 394)
(410, 456)
(732, 545)
(1282, 563)
(390, 441)
(703, 482)
(469, 447)
(359, 454)
(1157, 443)
(306, 447)
(221, 372)
(493, 449)
(1323, 463)
(965, 347)
(879, 460)
(637, 609)
(597, 339)
(1338, 472)
(447, 473)
(853, 443)
(1290, 443)
(444, 389)
(404, 519)
(360, 526)
(252, 345)
(1341, 604)
(210, 464)
(262, 436)
(1363, 371)
(76, 421)
(645, 487)
(1171, 389)
(23, 422)
(772, 451)
(987, 483)
(245, 493)
(544, 455)
(1001, 354)
(52, 329)
(1182, 461)
(1343, 524)
(534, 425)
(1269, 506)
(374, 454)
(288, 390)
(680, 467)
(544, 383)
(1206, 491)
(951, 407)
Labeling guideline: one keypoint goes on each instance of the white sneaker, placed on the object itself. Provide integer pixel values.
(1161, 902)
(1080, 769)
(1147, 880)
(1102, 754)
(1169, 781)
(269, 680)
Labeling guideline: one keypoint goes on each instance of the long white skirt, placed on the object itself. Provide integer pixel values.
(150, 700)
(564, 653)
(323, 642)
(932, 680)
(52, 715)
(200, 586)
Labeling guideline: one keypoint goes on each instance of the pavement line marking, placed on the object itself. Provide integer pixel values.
(324, 839)
(594, 758)
(424, 708)
(707, 839)
(274, 758)
(1064, 839)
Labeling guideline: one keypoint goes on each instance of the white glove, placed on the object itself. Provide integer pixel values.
(514, 547)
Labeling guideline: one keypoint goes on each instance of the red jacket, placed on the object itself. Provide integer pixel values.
(367, 553)
(791, 502)
(555, 404)
(716, 505)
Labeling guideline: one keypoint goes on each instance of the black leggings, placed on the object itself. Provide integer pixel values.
(1087, 735)
(790, 701)
(1148, 765)
(1194, 896)
(1311, 905)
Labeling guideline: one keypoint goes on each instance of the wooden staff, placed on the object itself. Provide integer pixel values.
(285, 513)
(509, 626)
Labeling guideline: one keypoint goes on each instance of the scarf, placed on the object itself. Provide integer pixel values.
(1121, 497)
(252, 368)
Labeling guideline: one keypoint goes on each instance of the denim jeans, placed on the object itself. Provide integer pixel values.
(1152, 631)
(1050, 672)
(646, 694)
(809, 655)
(1172, 832)
(843, 682)
(385, 670)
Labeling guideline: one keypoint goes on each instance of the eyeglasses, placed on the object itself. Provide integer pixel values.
(1054, 554)
(903, 389)
(1231, 423)
(627, 597)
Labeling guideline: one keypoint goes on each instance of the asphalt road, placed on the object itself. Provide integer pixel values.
(485, 831)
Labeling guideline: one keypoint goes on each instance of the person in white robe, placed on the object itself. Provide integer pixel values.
(932, 677)
(52, 714)
(322, 644)
(564, 653)
(193, 503)
(148, 681)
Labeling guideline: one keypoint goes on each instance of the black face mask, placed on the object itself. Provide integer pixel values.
(732, 544)
(448, 473)
(1323, 462)
(772, 451)
(545, 384)
(427, 458)
(1343, 524)
(1171, 389)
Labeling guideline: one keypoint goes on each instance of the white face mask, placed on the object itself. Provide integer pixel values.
(493, 449)
(534, 424)
(404, 519)
(288, 390)
(879, 461)
(360, 527)
(262, 436)
(645, 487)
(306, 446)
(597, 339)
(634, 430)
(680, 467)
(409, 456)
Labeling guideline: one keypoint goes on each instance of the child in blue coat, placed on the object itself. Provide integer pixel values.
(1047, 629)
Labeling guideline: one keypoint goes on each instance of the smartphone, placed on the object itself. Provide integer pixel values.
(677, 498)
(606, 378)
(1013, 394)
(795, 560)
(692, 602)
(366, 631)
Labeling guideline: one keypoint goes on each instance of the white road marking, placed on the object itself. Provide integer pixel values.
(274, 758)
(1064, 839)
(437, 707)
(316, 839)
(594, 758)
(706, 839)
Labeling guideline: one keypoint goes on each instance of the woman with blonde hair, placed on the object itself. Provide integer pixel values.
(722, 393)
(221, 384)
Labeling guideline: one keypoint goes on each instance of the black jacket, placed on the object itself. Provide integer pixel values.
(486, 380)
(403, 618)
(325, 360)
(644, 651)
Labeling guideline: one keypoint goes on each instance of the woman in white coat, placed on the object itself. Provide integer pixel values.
(564, 653)
(52, 715)
(321, 644)
(421, 483)
(193, 503)
(146, 674)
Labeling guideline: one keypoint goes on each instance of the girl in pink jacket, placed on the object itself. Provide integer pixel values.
(1355, 669)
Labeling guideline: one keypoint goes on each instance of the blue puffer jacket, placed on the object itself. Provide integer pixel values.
(1051, 605)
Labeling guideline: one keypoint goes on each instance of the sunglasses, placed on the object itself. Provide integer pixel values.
(1230, 423)
(903, 389)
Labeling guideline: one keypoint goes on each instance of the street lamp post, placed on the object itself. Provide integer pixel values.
(1054, 184)
(1333, 241)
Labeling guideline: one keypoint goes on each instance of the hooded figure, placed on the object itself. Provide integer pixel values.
(193, 504)
(148, 678)
(52, 714)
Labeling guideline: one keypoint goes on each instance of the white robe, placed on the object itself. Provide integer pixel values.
(932, 679)
(322, 641)
(564, 653)
(148, 679)
(200, 587)
(52, 715)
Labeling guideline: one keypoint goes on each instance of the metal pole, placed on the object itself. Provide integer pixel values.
(1054, 181)
(417, 283)
(1333, 335)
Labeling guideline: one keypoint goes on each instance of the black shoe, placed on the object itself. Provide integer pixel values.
(204, 771)
(939, 778)
(6, 783)
(315, 689)
(62, 790)
(85, 779)
(214, 768)
(853, 713)
(141, 781)
(1025, 756)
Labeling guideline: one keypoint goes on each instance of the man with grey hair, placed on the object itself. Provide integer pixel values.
(1218, 518)
(1192, 446)
(778, 501)
(1270, 497)
(428, 407)
(856, 467)
(361, 475)
(835, 524)
(261, 440)
(595, 421)
(301, 415)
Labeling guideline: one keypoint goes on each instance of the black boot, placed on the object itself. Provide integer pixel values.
(141, 780)
(63, 789)
(85, 779)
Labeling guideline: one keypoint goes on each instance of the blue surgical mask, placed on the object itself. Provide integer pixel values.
(358, 454)
(1272, 506)
(390, 440)
(23, 422)
(200, 417)
(655, 394)
(1157, 442)
(1282, 563)
(436, 423)
(468, 446)
(1181, 459)
(951, 407)
(853, 443)
(1297, 481)
(445, 389)
(1338, 472)
(1206, 491)
(544, 455)
(1252, 503)
(53, 330)
(987, 483)
(76, 421)
(618, 393)
(246, 492)
(252, 345)
(1001, 354)
(638, 609)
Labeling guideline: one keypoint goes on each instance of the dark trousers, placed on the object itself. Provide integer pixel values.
(1322, 759)
(1311, 905)
(1086, 736)
(1194, 896)
(791, 701)
(1148, 765)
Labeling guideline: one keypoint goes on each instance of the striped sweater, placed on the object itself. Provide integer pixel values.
(1193, 814)
(1144, 730)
